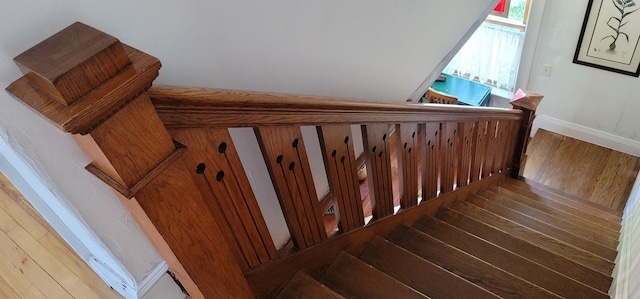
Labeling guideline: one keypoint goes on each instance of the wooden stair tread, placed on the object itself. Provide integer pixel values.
(527, 250)
(464, 265)
(420, 274)
(506, 260)
(544, 228)
(577, 255)
(533, 185)
(303, 286)
(603, 230)
(602, 218)
(353, 278)
(578, 229)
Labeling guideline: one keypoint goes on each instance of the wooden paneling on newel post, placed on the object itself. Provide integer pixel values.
(86, 82)
(527, 102)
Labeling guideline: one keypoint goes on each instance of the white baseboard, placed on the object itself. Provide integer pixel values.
(152, 278)
(604, 139)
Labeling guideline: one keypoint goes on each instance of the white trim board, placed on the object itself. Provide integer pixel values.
(604, 139)
(65, 221)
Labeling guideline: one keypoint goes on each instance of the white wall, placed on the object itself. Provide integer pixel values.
(372, 49)
(577, 94)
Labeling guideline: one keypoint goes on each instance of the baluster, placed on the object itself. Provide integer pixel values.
(286, 160)
(376, 141)
(407, 157)
(223, 180)
(431, 164)
(448, 147)
(341, 167)
(465, 132)
(501, 142)
(479, 150)
(513, 140)
(491, 148)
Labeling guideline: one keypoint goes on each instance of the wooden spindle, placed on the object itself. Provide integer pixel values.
(448, 158)
(479, 150)
(407, 149)
(340, 164)
(286, 158)
(465, 133)
(431, 164)
(377, 149)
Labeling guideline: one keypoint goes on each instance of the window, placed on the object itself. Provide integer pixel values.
(492, 54)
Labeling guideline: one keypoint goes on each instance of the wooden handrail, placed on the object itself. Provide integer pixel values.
(169, 154)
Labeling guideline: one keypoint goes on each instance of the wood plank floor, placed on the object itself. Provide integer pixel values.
(592, 172)
(34, 261)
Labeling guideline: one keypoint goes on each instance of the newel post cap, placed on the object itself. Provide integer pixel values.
(526, 99)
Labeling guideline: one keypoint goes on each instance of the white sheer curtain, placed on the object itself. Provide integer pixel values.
(491, 56)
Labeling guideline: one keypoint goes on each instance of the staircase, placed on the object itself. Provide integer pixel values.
(513, 239)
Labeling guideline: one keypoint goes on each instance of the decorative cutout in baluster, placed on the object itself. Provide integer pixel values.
(448, 149)
(431, 164)
(407, 156)
(479, 151)
(465, 133)
(232, 202)
(341, 167)
(378, 169)
(286, 159)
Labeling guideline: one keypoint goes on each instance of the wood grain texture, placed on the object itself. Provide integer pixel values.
(466, 266)
(213, 157)
(534, 237)
(408, 158)
(465, 137)
(377, 148)
(506, 260)
(423, 276)
(341, 167)
(448, 148)
(352, 278)
(286, 158)
(539, 154)
(527, 250)
(430, 166)
(479, 147)
(304, 287)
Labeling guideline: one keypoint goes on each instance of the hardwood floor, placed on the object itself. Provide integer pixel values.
(591, 172)
(34, 261)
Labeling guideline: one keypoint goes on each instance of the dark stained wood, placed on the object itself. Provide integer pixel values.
(612, 186)
(541, 145)
(286, 158)
(202, 107)
(479, 149)
(545, 228)
(302, 286)
(578, 228)
(430, 164)
(569, 207)
(377, 146)
(492, 148)
(466, 266)
(341, 166)
(527, 250)
(534, 237)
(408, 159)
(423, 276)
(465, 137)
(85, 59)
(528, 106)
(267, 279)
(448, 149)
(506, 260)
(352, 278)
(213, 157)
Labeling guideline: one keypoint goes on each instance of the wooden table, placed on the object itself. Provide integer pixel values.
(468, 92)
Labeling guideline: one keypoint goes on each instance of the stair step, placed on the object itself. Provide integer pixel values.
(549, 230)
(425, 277)
(572, 207)
(578, 229)
(466, 266)
(527, 250)
(577, 255)
(535, 186)
(303, 286)
(506, 260)
(588, 224)
(353, 278)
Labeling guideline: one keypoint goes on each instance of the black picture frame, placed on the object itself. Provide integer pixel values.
(607, 44)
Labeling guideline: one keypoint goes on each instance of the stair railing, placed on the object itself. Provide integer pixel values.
(169, 155)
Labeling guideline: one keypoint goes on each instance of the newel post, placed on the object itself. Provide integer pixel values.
(528, 103)
(90, 85)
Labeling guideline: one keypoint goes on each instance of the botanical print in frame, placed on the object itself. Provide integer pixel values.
(610, 37)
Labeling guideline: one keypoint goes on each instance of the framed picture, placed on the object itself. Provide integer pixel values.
(610, 37)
